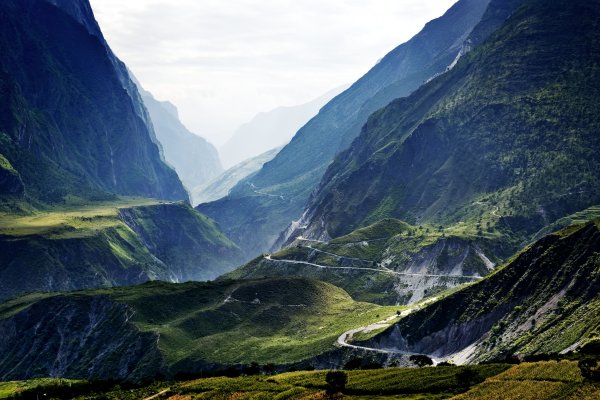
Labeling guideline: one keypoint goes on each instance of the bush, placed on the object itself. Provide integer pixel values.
(421, 360)
(336, 382)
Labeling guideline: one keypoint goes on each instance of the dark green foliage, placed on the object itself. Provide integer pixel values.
(468, 377)
(336, 382)
(511, 131)
(589, 369)
(421, 360)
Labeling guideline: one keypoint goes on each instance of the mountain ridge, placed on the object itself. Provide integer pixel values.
(298, 168)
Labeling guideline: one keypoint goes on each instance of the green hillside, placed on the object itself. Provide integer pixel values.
(107, 244)
(171, 328)
(389, 262)
(527, 381)
(545, 301)
(506, 140)
(260, 207)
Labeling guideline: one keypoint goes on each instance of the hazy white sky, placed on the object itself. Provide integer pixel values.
(223, 61)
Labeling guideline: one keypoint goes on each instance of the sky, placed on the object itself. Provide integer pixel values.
(221, 62)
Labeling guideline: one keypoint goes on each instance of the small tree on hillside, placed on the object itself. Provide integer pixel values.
(589, 369)
(336, 383)
(421, 360)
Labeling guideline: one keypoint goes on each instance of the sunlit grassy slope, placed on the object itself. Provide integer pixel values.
(530, 381)
(268, 321)
(69, 221)
(119, 242)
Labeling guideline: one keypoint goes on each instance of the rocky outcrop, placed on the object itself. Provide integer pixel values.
(110, 257)
(89, 337)
(543, 302)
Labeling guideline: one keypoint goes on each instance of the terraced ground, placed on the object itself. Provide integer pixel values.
(535, 381)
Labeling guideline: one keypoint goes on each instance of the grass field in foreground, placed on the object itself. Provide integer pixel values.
(535, 381)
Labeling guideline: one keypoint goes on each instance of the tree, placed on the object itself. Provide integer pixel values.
(421, 360)
(336, 382)
(589, 369)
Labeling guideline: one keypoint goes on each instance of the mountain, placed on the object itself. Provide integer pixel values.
(71, 120)
(505, 141)
(389, 262)
(157, 328)
(261, 206)
(195, 160)
(271, 129)
(220, 186)
(545, 301)
(109, 244)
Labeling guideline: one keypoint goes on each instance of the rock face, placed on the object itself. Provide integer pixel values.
(72, 121)
(195, 160)
(261, 206)
(453, 152)
(543, 302)
(110, 257)
(89, 337)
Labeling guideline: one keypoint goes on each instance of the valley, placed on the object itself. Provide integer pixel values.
(431, 231)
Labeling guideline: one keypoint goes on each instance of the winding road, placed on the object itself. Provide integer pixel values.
(157, 395)
(343, 339)
(381, 271)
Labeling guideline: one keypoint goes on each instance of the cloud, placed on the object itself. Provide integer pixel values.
(222, 62)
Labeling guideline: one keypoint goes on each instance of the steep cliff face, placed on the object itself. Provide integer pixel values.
(261, 206)
(72, 120)
(506, 136)
(108, 257)
(85, 337)
(545, 301)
